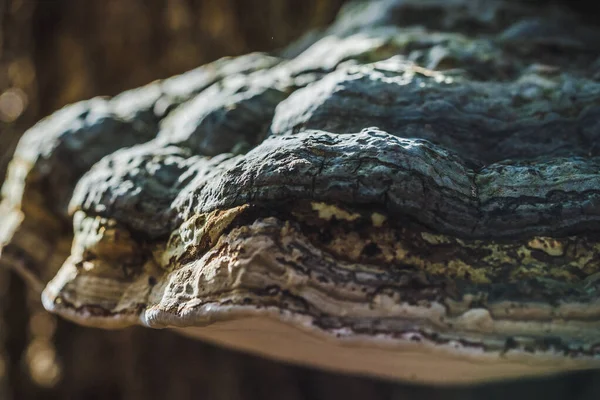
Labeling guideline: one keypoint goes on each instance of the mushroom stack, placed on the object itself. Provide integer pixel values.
(414, 194)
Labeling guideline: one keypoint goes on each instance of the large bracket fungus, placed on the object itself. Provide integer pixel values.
(402, 202)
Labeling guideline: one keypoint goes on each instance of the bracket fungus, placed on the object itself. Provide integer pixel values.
(415, 202)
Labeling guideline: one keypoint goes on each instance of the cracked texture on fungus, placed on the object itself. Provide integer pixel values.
(395, 200)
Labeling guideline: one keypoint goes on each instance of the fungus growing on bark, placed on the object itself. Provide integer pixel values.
(425, 214)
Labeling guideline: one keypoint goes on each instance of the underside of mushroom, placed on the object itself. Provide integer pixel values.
(391, 200)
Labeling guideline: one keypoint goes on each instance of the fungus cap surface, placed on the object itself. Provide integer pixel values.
(405, 198)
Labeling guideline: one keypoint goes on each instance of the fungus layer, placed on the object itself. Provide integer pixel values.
(408, 197)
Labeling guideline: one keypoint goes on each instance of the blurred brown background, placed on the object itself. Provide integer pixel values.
(55, 52)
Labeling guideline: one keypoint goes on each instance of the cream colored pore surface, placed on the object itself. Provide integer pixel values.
(416, 362)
